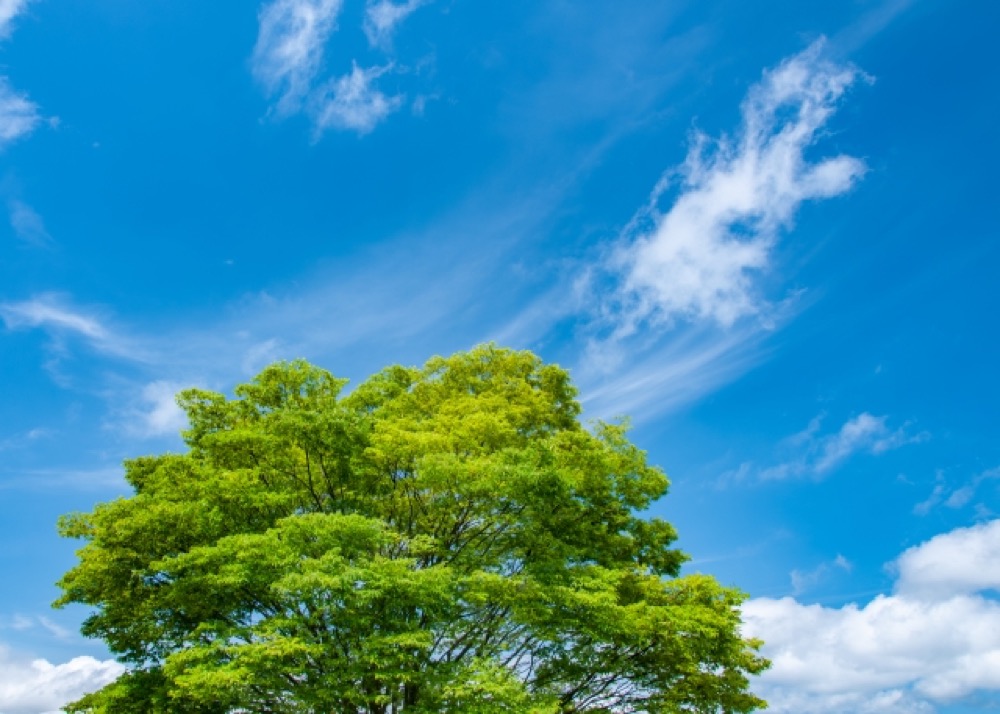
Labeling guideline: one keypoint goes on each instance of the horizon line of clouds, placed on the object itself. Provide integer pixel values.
(288, 59)
(934, 640)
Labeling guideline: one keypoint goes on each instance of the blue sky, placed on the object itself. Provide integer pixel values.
(766, 231)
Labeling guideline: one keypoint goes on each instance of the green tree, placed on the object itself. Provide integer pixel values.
(442, 539)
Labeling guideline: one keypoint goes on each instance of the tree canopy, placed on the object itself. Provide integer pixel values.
(441, 539)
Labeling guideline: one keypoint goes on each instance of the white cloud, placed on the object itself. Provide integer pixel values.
(382, 17)
(964, 560)
(700, 259)
(680, 295)
(352, 102)
(803, 581)
(30, 687)
(48, 310)
(57, 316)
(288, 59)
(156, 412)
(812, 454)
(18, 115)
(289, 51)
(951, 497)
(934, 641)
(9, 9)
(27, 224)
(688, 366)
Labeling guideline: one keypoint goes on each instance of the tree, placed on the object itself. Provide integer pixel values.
(442, 539)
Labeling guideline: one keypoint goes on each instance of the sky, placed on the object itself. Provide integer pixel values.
(766, 232)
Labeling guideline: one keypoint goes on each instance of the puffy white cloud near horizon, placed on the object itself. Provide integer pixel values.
(39, 686)
(935, 640)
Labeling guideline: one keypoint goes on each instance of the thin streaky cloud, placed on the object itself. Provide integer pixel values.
(700, 259)
(58, 316)
(945, 494)
(812, 454)
(28, 225)
(352, 102)
(288, 55)
(102, 479)
(382, 17)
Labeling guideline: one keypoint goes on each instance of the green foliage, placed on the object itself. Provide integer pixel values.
(441, 539)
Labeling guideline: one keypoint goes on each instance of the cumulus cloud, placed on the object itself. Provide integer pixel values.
(289, 51)
(155, 411)
(18, 115)
(352, 102)
(30, 687)
(935, 640)
(699, 260)
(810, 453)
(382, 17)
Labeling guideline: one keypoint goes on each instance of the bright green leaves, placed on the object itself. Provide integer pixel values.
(448, 538)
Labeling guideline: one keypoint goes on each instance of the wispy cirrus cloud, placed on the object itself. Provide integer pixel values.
(699, 259)
(289, 52)
(352, 102)
(19, 116)
(382, 17)
(28, 225)
(811, 453)
(805, 580)
(951, 496)
(288, 61)
(60, 318)
(934, 641)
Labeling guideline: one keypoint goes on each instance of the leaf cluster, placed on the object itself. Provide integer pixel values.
(444, 538)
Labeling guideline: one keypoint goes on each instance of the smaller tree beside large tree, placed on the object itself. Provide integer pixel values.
(442, 539)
